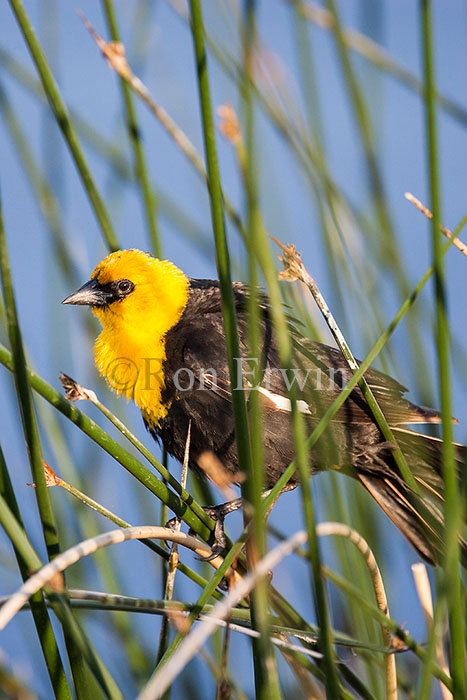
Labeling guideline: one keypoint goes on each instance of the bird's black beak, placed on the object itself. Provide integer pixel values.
(90, 294)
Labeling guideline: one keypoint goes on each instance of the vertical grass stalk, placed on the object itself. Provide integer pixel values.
(64, 123)
(31, 435)
(266, 679)
(39, 612)
(389, 250)
(452, 506)
(134, 134)
(220, 238)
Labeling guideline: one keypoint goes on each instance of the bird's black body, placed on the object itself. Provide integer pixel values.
(352, 443)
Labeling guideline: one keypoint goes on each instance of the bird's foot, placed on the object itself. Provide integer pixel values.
(218, 513)
(170, 524)
(219, 533)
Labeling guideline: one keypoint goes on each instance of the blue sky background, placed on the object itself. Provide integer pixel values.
(162, 55)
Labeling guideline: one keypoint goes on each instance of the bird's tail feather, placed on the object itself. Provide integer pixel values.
(419, 516)
(425, 457)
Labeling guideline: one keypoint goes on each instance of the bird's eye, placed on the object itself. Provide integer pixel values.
(125, 286)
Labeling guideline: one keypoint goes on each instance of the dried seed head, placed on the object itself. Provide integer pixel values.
(229, 125)
(215, 470)
(51, 479)
(74, 391)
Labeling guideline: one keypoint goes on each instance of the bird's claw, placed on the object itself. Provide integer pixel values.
(217, 513)
(170, 524)
(216, 551)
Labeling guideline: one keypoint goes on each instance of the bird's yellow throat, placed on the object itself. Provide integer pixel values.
(130, 351)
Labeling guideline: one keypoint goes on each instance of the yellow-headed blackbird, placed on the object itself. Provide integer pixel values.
(163, 345)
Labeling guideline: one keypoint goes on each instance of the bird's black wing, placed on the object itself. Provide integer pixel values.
(319, 371)
(329, 373)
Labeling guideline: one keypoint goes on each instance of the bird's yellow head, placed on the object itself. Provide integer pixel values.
(137, 299)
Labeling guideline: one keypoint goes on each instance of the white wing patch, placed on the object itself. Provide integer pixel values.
(281, 403)
(272, 401)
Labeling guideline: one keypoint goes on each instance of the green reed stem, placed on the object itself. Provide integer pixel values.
(362, 383)
(202, 600)
(10, 519)
(452, 505)
(64, 123)
(193, 575)
(134, 135)
(25, 402)
(218, 225)
(181, 508)
(73, 632)
(350, 589)
(388, 247)
(142, 449)
(31, 434)
(375, 54)
(350, 386)
(266, 678)
(46, 197)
